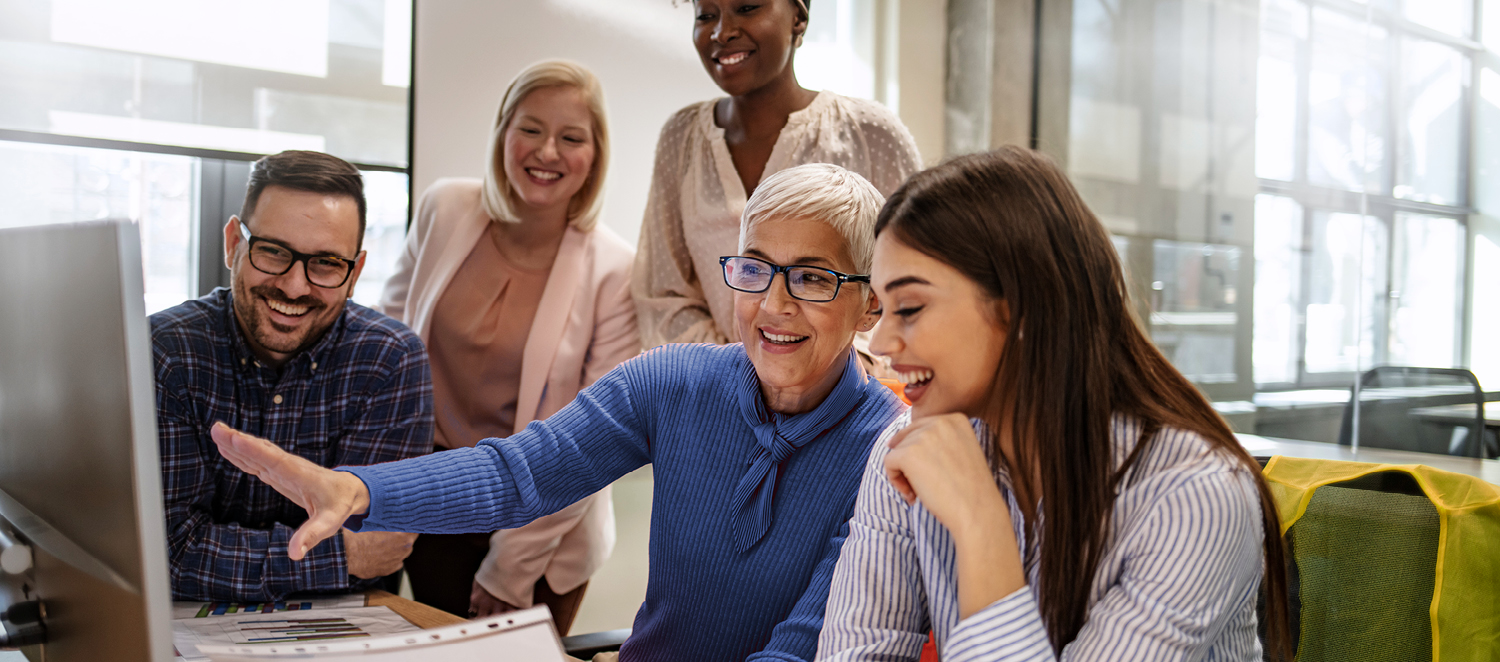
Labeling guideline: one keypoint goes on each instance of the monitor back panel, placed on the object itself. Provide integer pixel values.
(79, 466)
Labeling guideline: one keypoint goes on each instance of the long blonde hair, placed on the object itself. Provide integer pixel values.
(498, 197)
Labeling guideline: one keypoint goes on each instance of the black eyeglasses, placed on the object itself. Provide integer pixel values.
(748, 274)
(272, 258)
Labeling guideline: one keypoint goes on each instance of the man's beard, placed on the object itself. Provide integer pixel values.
(248, 307)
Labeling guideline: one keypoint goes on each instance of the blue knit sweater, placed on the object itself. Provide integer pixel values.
(675, 407)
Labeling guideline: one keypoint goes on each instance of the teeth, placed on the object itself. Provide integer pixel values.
(286, 309)
(915, 377)
(774, 337)
(734, 58)
(543, 174)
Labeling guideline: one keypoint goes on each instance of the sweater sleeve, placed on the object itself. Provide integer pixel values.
(506, 483)
(796, 638)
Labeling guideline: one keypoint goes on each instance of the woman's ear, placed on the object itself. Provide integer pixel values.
(799, 26)
(871, 315)
(1002, 315)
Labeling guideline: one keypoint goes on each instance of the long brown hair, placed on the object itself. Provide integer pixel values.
(1074, 355)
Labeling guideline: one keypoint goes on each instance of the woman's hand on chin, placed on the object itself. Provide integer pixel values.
(330, 497)
(939, 460)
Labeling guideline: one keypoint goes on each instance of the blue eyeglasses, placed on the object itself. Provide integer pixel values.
(748, 274)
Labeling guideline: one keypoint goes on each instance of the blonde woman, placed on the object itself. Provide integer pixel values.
(523, 300)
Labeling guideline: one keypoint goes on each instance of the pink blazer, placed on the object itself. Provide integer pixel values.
(584, 326)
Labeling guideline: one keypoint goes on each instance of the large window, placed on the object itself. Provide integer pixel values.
(1289, 185)
(1362, 136)
(151, 110)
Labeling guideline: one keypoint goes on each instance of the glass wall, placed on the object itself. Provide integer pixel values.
(115, 110)
(1289, 181)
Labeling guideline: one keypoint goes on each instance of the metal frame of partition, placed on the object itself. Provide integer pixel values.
(220, 190)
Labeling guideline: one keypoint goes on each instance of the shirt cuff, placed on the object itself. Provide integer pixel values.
(1011, 628)
(324, 568)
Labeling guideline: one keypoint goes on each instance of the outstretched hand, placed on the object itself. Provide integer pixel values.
(330, 497)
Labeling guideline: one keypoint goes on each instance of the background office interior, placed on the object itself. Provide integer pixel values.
(1300, 189)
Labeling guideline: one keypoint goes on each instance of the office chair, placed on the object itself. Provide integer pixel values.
(585, 646)
(1388, 562)
(1387, 397)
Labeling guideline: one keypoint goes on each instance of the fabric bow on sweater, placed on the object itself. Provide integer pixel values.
(779, 437)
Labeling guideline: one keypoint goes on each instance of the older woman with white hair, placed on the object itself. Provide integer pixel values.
(757, 447)
(523, 300)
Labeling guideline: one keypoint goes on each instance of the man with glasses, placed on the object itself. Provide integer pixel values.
(285, 353)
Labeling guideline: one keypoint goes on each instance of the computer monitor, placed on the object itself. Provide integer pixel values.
(80, 481)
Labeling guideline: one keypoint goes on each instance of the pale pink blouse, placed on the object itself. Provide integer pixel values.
(477, 338)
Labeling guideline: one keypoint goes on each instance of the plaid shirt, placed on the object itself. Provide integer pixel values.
(361, 395)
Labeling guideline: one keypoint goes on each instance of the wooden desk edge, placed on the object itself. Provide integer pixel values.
(418, 614)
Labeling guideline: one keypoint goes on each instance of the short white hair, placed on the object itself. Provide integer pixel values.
(825, 192)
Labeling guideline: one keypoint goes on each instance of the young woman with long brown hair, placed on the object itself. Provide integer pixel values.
(1058, 489)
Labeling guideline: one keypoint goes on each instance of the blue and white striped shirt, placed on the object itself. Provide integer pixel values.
(1178, 580)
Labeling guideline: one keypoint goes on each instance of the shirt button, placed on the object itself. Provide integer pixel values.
(315, 365)
(276, 399)
(242, 361)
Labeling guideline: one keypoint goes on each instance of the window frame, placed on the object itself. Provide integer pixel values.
(1384, 205)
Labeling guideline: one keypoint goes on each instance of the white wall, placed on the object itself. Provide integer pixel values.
(468, 50)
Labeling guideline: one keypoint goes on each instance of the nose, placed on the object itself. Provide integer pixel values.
(724, 29)
(884, 340)
(548, 152)
(777, 300)
(294, 283)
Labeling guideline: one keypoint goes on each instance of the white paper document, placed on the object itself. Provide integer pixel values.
(522, 636)
(296, 628)
(293, 603)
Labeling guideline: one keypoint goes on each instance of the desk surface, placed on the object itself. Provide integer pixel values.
(1459, 414)
(1487, 470)
(419, 614)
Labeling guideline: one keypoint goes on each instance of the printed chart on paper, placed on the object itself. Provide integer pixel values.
(295, 603)
(283, 627)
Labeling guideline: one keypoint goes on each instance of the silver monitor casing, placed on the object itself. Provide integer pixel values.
(80, 475)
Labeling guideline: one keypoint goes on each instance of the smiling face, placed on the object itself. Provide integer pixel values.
(746, 44)
(798, 347)
(549, 149)
(283, 315)
(941, 331)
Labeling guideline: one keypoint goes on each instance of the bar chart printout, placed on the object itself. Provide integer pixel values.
(277, 631)
(294, 603)
(281, 627)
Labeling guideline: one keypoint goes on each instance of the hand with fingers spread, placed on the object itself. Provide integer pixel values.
(939, 460)
(330, 497)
